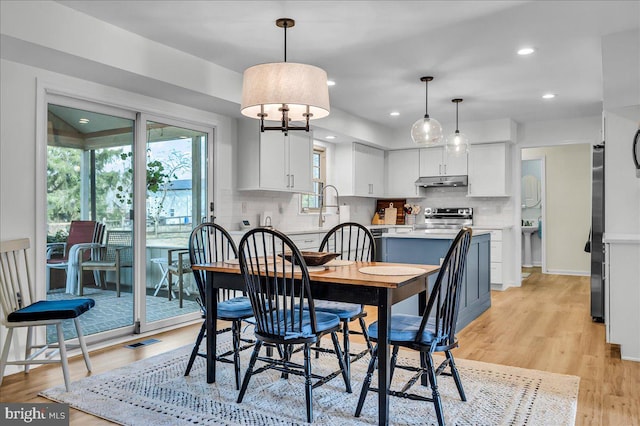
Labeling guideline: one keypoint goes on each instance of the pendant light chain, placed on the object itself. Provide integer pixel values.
(284, 25)
(457, 130)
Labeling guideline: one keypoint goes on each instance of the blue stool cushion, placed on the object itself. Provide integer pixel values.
(341, 309)
(404, 328)
(52, 310)
(324, 321)
(236, 308)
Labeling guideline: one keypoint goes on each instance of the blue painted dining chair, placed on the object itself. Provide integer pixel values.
(277, 283)
(21, 309)
(434, 331)
(356, 243)
(210, 243)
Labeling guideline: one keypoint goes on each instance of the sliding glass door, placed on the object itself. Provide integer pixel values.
(89, 214)
(176, 202)
(124, 191)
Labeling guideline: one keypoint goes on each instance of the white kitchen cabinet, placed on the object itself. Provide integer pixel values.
(274, 161)
(359, 170)
(495, 256)
(403, 169)
(435, 162)
(489, 170)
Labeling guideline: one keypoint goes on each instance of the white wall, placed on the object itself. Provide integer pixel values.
(568, 206)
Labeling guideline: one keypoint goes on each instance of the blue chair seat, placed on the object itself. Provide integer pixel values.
(341, 309)
(52, 310)
(404, 328)
(236, 308)
(324, 321)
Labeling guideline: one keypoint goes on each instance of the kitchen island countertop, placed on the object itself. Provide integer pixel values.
(439, 234)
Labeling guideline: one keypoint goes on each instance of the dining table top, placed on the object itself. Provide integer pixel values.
(380, 274)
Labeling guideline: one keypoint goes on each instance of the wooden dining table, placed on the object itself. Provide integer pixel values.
(341, 284)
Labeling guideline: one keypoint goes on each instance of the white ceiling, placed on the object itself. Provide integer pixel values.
(376, 51)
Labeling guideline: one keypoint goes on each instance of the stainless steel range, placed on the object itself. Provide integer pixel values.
(446, 218)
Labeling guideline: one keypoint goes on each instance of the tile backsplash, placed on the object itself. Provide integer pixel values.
(233, 206)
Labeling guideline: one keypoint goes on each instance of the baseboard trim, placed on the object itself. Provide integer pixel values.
(568, 272)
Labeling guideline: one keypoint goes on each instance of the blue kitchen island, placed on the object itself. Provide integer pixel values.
(430, 247)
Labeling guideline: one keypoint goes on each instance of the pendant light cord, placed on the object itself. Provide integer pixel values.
(426, 99)
(457, 131)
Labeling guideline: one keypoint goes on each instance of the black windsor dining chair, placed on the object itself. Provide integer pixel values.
(354, 242)
(434, 331)
(284, 311)
(210, 243)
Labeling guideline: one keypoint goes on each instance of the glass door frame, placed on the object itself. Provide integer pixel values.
(140, 188)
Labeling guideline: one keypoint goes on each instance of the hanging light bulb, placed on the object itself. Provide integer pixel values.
(457, 143)
(426, 131)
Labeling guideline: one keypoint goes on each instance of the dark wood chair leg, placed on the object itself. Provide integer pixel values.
(336, 347)
(435, 394)
(456, 376)
(365, 334)
(347, 347)
(366, 383)
(394, 361)
(235, 330)
(308, 385)
(196, 347)
(249, 373)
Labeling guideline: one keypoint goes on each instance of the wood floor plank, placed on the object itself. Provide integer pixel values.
(544, 325)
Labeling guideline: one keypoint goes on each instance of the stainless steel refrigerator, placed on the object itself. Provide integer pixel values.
(597, 230)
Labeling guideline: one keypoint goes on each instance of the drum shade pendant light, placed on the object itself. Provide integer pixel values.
(457, 143)
(285, 91)
(426, 131)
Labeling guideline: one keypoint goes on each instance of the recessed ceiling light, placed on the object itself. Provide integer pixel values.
(83, 121)
(394, 113)
(331, 83)
(526, 51)
(330, 137)
(548, 96)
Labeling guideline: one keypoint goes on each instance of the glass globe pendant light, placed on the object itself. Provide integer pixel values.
(426, 131)
(457, 143)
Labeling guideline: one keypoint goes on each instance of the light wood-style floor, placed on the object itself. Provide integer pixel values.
(544, 325)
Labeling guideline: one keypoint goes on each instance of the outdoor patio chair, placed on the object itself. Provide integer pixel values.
(210, 243)
(80, 231)
(279, 288)
(115, 254)
(22, 310)
(354, 242)
(434, 331)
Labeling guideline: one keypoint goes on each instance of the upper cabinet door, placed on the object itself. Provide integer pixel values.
(489, 170)
(431, 163)
(455, 165)
(273, 161)
(300, 157)
(403, 169)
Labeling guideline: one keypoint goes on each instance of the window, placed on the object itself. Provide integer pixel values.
(311, 202)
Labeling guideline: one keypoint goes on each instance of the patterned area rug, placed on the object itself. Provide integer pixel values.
(155, 392)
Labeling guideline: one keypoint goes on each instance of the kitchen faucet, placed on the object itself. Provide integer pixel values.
(337, 205)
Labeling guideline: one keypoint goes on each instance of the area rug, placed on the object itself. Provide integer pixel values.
(155, 392)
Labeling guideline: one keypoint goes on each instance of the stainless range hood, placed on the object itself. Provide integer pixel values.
(442, 181)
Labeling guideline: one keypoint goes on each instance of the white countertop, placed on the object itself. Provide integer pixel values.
(320, 230)
(491, 227)
(621, 238)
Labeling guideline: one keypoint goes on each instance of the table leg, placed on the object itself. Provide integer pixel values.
(211, 306)
(384, 329)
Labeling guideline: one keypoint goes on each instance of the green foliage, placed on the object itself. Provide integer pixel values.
(59, 237)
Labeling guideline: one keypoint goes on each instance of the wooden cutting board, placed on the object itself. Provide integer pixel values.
(398, 204)
(390, 215)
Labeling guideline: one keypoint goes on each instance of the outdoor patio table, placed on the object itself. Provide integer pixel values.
(341, 284)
